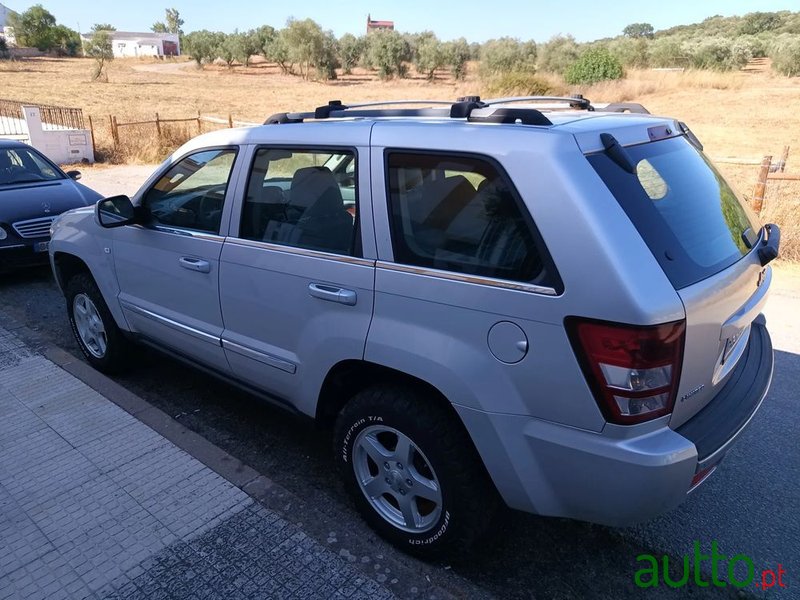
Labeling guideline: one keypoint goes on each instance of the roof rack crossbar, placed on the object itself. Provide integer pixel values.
(469, 107)
(576, 101)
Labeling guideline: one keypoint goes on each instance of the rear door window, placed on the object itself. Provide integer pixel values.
(461, 214)
(687, 214)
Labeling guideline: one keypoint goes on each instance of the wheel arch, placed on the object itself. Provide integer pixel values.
(66, 265)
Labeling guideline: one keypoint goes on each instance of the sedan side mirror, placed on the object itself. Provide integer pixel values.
(74, 175)
(116, 211)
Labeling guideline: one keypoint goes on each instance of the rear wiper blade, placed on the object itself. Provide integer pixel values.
(617, 153)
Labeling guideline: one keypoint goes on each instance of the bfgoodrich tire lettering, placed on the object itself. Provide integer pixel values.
(93, 326)
(413, 472)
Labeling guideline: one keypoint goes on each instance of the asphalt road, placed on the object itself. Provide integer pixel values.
(749, 506)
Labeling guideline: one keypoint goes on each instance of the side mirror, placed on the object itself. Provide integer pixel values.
(116, 211)
(74, 175)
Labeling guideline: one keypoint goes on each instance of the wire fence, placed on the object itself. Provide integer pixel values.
(12, 118)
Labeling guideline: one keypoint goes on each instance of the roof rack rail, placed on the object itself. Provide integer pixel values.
(621, 107)
(468, 107)
(576, 101)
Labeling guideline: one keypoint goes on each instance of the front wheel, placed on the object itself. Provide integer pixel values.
(413, 472)
(98, 336)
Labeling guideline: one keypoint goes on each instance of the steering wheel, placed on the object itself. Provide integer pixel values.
(209, 208)
(23, 174)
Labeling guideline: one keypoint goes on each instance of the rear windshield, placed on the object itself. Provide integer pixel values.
(690, 218)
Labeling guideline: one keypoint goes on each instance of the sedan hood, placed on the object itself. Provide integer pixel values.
(19, 202)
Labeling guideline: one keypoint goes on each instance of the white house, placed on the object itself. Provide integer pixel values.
(6, 31)
(133, 44)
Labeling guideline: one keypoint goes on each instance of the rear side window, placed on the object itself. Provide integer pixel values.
(302, 198)
(687, 214)
(460, 214)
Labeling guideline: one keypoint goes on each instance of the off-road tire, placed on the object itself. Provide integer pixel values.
(115, 358)
(469, 499)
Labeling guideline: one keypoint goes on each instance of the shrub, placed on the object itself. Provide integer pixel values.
(718, 54)
(3, 48)
(594, 65)
(558, 54)
(506, 55)
(785, 55)
(667, 52)
(631, 52)
(517, 84)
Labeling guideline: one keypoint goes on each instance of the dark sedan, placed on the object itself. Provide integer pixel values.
(33, 191)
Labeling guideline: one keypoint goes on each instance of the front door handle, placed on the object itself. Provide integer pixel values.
(332, 293)
(195, 264)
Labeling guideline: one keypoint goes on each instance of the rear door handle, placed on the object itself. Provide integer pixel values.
(195, 264)
(332, 293)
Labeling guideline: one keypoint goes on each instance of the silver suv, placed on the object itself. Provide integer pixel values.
(541, 304)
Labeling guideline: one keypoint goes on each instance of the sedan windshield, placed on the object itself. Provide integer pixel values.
(25, 165)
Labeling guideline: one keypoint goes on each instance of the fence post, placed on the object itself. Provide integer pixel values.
(784, 158)
(760, 188)
(91, 133)
(114, 133)
(230, 121)
(158, 126)
(199, 123)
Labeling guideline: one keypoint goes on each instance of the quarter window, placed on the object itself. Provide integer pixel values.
(460, 214)
(191, 194)
(305, 199)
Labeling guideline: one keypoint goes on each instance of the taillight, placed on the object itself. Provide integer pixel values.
(632, 370)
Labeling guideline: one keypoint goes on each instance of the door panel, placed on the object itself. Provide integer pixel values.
(168, 271)
(279, 336)
(165, 301)
(296, 295)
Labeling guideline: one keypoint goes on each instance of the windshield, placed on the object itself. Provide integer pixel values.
(25, 165)
(693, 222)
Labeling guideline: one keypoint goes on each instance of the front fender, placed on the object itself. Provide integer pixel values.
(76, 233)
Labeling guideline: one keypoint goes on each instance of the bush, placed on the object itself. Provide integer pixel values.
(631, 52)
(718, 54)
(558, 54)
(785, 55)
(667, 52)
(507, 55)
(594, 65)
(3, 49)
(517, 84)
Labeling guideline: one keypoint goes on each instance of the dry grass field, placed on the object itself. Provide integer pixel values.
(744, 114)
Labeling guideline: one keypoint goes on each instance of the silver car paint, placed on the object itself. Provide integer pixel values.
(535, 423)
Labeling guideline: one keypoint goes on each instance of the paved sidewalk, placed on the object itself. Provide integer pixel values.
(95, 504)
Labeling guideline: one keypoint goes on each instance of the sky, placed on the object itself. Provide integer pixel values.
(477, 21)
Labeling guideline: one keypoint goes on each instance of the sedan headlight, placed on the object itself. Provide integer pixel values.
(3, 234)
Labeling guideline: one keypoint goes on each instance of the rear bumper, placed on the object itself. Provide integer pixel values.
(623, 475)
(717, 426)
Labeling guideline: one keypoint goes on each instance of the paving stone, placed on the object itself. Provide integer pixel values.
(95, 504)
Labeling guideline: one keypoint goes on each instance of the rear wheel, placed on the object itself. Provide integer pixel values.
(98, 336)
(413, 472)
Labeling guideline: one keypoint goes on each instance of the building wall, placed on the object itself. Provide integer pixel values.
(132, 45)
